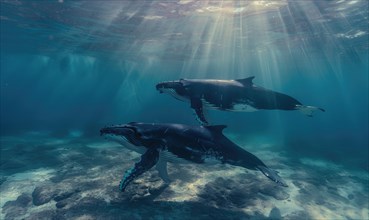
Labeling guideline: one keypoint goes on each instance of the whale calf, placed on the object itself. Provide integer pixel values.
(230, 95)
(178, 143)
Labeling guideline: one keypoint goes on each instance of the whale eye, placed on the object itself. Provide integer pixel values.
(137, 134)
(134, 131)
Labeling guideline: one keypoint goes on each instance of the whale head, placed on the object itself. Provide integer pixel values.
(165, 87)
(175, 88)
(123, 133)
(136, 135)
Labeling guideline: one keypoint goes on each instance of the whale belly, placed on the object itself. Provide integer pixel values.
(243, 107)
(238, 107)
(225, 103)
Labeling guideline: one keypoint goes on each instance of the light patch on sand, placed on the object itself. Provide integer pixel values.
(319, 163)
(34, 209)
(184, 2)
(56, 141)
(102, 145)
(348, 188)
(352, 2)
(85, 217)
(94, 169)
(365, 213)
(187, 192)
(38, 175)
(322, 212)
(152, 17)
(361, 174)
(355, 213)
(9, 194)
(20, 183)
(342, 211)
(286, 206)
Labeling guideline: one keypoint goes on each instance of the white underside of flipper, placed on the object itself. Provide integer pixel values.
(161, 167)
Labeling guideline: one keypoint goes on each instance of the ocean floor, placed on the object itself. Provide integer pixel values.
(75, 178)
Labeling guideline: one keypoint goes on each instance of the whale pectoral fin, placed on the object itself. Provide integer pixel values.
(272, 174)
(308, 110)
(196, 104)
(148, 160)
(161, 167)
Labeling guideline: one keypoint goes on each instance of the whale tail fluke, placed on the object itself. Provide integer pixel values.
(308, 110)
(272, 174)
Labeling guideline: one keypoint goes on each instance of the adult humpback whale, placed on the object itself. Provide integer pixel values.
(230, 95)
(178, 143)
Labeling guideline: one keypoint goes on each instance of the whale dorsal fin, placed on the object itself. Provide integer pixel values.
(246, 81)
(216, 128)
(184, 82)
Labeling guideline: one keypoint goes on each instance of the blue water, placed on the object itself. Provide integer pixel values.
(69, 68)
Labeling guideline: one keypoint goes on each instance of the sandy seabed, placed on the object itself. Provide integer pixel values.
(74, 178)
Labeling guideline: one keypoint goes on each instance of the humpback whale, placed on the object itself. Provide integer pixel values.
(230, 95)
(178, 143)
